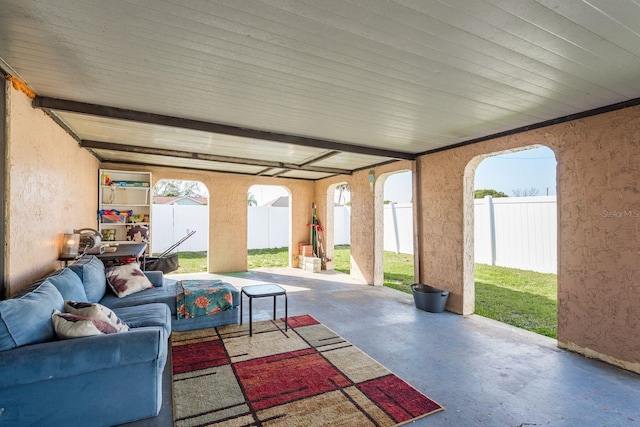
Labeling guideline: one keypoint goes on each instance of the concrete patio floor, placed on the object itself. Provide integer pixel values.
(484, 373)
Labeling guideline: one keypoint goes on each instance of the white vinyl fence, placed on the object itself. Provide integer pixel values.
(341, 225)
(398, 228)
(170, 223)
(268, 227)
(516, 232)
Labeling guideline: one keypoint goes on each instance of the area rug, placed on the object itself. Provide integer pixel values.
(306, 376)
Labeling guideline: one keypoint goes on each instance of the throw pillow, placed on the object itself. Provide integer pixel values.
(138, 233)
(127, 279)
(69, 325)
(95, 311)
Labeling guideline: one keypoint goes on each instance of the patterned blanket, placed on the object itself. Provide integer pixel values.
(201, 297)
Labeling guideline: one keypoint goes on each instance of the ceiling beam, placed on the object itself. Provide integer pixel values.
(320, 157)
(282, 172)
(264, 171)
(111, 146)
(145, 164)
(178, 122)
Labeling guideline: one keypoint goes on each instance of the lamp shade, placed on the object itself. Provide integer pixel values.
(70, 244)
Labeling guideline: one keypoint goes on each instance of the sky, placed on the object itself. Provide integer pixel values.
(535, 168)
(267, 193)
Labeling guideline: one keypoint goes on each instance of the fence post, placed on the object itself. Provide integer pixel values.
(173, 222)
(268, 228)
(395, 226)
(492, 227)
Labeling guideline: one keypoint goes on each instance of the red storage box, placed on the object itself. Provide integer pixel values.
(306, 250)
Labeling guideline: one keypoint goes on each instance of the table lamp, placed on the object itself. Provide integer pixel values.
(70, 244)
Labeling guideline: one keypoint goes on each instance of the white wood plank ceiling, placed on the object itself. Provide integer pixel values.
(314, 88)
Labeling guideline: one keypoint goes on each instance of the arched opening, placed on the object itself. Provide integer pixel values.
(178, 208)
(398, 235)
(338, 227)
(268, 226)
(514, 238)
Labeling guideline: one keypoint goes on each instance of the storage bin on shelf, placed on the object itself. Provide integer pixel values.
(113, 219)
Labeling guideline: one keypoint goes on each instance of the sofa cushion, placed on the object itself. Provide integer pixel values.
(165, 294)
(95, 311)
(69, 325)
(156, 277)
(27, 320)
(69, 285)
(146, 315)
(91, 271)
(127, 279)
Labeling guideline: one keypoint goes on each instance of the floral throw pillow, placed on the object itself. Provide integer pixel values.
(127, 279)
(95, 311)
(69, 325)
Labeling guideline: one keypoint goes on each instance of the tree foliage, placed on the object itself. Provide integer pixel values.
(525, 192)
(480, 194)
(179, 188)
(251, 200)
(343, 191)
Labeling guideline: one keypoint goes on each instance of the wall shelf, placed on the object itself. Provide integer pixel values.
(135, 196)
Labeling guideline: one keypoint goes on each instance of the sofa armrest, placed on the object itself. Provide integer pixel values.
(155, 277)
(66, 358)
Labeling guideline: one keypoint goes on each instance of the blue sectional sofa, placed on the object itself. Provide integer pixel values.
(100, 380)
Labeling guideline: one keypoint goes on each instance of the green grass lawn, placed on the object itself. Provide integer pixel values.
(196, 262)
(278, 257)
(521, 298)
(192, 262)
(342, 258)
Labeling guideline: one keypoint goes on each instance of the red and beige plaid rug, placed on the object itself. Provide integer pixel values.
(306, 376)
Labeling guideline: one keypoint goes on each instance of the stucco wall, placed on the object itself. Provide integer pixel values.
(228, 211)
(324, 190)
(52, 189)
(598, 229)
(367, 246)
